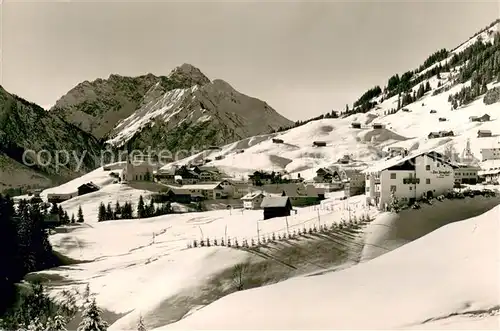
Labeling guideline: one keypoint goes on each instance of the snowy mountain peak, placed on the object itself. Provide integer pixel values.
(189, 74)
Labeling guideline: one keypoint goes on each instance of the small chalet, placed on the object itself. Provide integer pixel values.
(240, 151)
(60, 197)
(276, 207)
(474, 119)
(446, 134)
(377, 126)
(483, 133)
(214, 147)
(433, 135)
(253, 200)
(442, 119)
(326, 175)
(299, 194)
(356, 125)
(405, 110)
(344, 159)
(87, 188)
(433, 111)
(172, 194)
(484, 118)
(319, 143)
(277, 141)
(219, 157)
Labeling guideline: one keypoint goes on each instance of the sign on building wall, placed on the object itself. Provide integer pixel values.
(441, 173)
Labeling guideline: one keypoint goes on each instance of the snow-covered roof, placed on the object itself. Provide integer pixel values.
(252, 195)
(204, 186)
(270, 202)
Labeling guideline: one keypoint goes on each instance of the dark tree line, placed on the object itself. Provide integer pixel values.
(24, 246)
(481, 65)
(332, 114)
(125, 211)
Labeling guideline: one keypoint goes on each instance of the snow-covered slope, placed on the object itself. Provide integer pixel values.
(452, 271)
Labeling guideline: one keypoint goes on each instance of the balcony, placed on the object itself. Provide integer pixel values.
(411, 180)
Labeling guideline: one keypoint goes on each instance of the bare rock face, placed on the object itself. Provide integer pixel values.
(180, 110)
(492, 96)
(188, 75)
(200, 116)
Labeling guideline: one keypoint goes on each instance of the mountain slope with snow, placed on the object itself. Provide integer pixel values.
(409, 127)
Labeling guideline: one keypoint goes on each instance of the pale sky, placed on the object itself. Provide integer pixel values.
(303, 58)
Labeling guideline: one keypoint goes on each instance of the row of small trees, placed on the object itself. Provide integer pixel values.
(125, 211)
(273, 237)
(64, 216)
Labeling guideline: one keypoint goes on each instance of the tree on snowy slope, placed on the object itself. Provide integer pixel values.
(141, 210)
(80, 215)
(91, 318)
(140, 324)
(101, 214)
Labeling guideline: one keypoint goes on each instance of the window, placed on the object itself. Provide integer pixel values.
(411, 188)
(427, 181)
(393, 175)
(393, 188)
(368, 189)
(438, 164)
(428, 167)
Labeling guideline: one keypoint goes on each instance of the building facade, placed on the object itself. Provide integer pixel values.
(253, 200)
(466, 174)
(408, 179)
(492, 153)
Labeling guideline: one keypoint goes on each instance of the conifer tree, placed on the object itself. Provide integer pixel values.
(118, 210)
(101, 215)
(109, 212)
(141, 211)
(80, 215)
(73, 220)
(91, 318)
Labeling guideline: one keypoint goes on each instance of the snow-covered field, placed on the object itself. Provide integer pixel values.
(452, 271)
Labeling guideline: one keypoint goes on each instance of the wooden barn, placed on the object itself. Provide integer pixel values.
(356, 125)
(87, 188)
(277, 141)
(276, 207)
(319, 143)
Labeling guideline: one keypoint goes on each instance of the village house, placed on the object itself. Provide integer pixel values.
(277, 141)
(219, 157)
(60, 197)
(87, 188)
(299, 194)
(172, 194)
(209, 174)
(433, 111)
(356, 125)
(319, 143)
(354, 182)
(442, 119)
(408, 178)
(484, 118)
(491, 153)
(397, 150)
(446, 133)
(378, 126)
(466, 174)
(490, 175)
(276, 207)
(433, 135)
(345, 159)
(253, 200)
(210, 191)
(483, 133)
(326, 175)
